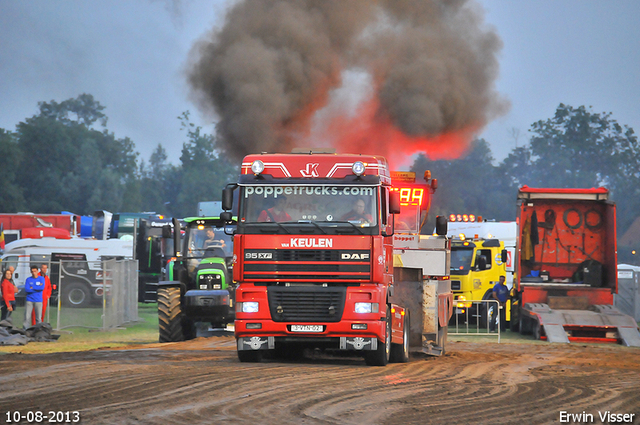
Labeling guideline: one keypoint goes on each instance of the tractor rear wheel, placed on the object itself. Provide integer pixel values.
(170, 317)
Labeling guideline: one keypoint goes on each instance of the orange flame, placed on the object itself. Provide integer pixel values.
(369, 131)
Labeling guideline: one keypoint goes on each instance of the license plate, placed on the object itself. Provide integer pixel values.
(306, 328)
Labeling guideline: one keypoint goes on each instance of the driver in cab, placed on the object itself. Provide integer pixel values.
(276, 213)
(358, 213)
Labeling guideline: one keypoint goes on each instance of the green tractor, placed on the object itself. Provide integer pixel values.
(198, 280)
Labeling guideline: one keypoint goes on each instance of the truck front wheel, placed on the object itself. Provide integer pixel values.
(400, 352)
(380, 356)
(171, 322)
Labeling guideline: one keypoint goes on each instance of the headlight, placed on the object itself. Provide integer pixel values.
(250, 307)
(358, 168)
(217, 286)
(366, 307)
(257, 166)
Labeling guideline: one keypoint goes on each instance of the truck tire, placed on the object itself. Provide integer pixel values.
(380, 357)
(249, 356)
(535, 330)
(170, 318)
(525, 325)
(76, 294)
(514, 323)
(486, 310)
(400, 352)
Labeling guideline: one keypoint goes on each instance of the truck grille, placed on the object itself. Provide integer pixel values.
(307, 265)
(306, 303)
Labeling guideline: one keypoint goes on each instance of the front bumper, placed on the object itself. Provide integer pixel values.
(356, 343)
(338, 335)
(208, 305)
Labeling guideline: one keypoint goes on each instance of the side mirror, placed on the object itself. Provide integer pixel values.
(226, 216)
(166, 231)
(504, 256)
(441, 225)
(227, 197)
(176, 237)
(394, 202)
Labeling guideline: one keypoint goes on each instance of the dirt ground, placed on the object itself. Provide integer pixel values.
(202, 382)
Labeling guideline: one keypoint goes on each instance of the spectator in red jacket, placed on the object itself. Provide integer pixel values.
(8, 294)
(46, 293)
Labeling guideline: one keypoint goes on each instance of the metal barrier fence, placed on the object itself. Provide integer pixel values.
(474, 317)
(91, 294)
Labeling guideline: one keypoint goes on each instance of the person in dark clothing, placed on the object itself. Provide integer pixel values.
(358, 212)
(500, 294)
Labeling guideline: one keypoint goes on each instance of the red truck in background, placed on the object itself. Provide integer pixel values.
(566, 269)
(28, 225)
(314, 260)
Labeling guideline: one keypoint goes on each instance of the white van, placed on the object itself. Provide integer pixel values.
(75, 263)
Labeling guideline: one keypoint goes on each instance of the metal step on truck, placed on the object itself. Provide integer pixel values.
(566, 273)
(314, 255)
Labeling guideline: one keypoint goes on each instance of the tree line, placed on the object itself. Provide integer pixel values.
(65, 158)
(576, 148)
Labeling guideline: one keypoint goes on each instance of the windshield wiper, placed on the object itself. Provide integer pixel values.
(352, 225)
(314, 223)
(263, 230)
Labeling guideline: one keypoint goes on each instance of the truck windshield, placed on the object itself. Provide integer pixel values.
(317, 204)
(461, 259)
(208, 241)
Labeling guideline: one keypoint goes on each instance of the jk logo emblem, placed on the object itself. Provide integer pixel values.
(310, 171)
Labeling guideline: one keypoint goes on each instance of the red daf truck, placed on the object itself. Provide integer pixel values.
(566, 272)
(314, 260)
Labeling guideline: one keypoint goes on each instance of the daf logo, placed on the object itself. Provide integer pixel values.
(354, 256)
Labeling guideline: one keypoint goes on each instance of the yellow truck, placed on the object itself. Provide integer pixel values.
(476, 266)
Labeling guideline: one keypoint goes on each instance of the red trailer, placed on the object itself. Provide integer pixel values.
(39, 225)
(566, 272)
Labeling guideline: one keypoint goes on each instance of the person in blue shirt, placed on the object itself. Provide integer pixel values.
(501, 294)
(33, 286)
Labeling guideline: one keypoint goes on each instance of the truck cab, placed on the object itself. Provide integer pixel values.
(476, 266)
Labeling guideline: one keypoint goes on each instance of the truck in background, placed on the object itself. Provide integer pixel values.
(43, 225)
(481, 252)
(479, 228)
(77, 261)
(566, 268)
(151, 248)
(476, 266)
(314, 255)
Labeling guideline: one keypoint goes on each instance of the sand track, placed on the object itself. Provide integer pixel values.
(201, 381)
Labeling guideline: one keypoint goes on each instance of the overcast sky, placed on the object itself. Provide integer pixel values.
(131, 55)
